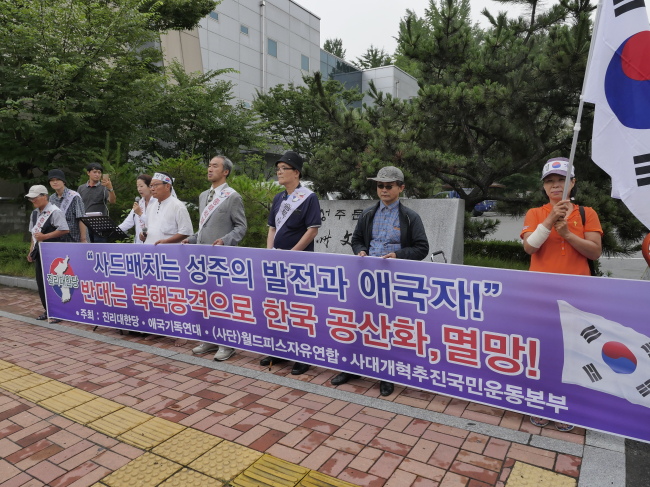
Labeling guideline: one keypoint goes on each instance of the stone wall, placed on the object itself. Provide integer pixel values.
(443, 221)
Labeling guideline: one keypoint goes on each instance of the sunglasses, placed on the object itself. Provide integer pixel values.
(387, 186)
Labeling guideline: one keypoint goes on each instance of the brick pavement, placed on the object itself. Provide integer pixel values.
(366, 441)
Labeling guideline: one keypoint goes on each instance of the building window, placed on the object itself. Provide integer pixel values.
(304, 62)
(243, 29)
(214, 15)
(273, 48)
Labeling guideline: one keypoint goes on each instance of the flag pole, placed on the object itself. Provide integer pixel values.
(577, 126)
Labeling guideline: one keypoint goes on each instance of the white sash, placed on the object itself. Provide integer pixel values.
(214, 204)
(68, 200)
(293, 201)
(40, 221)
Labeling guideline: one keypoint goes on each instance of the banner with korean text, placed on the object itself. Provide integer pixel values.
(570, 348)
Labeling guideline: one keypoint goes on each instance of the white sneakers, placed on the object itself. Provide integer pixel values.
(223, 353)
(205, 348)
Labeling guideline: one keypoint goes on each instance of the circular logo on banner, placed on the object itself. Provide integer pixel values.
(59, 268)
(619, 358)
(627, 82)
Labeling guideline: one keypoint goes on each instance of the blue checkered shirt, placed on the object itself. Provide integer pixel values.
(72, 214)
(385, 230)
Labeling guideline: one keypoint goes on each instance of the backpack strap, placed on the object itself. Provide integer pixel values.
(581, 209)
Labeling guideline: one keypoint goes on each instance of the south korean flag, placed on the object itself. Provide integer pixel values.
(605, 356)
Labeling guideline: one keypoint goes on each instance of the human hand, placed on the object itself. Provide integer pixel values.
(160, 242)
(362, 254)
(106, 181)
(29, 258)
(562, 228)
(218, 242)
(391, 255)
(142, 237)
(137, 209)
(185, 241)
(39, 236)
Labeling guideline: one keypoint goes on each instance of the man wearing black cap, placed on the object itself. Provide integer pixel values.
(388, 230)
(293, 222)
(70, 203)
(96, 194)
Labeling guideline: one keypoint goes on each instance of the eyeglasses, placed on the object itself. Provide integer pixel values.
(283, 168)
(387, 186)
(152, 186)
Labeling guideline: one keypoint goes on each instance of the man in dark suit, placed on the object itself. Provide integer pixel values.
(222, 222)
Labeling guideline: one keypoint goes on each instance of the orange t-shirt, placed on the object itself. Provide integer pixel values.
(556, 255)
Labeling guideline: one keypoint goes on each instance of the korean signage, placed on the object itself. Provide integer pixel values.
(570, 348)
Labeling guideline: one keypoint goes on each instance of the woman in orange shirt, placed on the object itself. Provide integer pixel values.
(556, 238)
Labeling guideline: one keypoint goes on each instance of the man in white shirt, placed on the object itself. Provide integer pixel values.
(168, 220)
(222, 222)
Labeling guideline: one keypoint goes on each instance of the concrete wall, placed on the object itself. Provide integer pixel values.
(391, 80)
(224, 45)
(443, 221)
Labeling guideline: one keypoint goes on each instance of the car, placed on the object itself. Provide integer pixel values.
(479, 209)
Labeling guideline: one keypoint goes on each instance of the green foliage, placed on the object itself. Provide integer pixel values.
(373, 58)
(498, 249)
(13, 256)
(288, 116)
(257, 195)
(194, 115)
(71, 72)
(476, 260)
(334, 46)
(475, 229)
(177, 14)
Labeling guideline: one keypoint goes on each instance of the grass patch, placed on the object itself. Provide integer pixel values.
(13, 256)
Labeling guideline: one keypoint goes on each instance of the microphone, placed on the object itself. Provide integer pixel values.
(137, 199)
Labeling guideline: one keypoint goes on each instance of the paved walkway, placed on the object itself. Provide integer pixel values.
(79, 407)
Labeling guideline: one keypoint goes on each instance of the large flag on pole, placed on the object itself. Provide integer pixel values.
(618, 83)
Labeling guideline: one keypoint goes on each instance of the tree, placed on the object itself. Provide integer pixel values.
(73, 72)
(194, 114)
(334, 46)
(373, 58)
(288, 115)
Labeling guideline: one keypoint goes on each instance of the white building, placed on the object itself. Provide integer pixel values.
(271, 42)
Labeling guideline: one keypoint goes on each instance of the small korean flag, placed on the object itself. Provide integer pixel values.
(606, 356)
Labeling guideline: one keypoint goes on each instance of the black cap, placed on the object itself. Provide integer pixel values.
(293, 159)
(94, 165)
(56, 174)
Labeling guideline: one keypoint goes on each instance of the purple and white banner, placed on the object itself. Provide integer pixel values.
(571, 348)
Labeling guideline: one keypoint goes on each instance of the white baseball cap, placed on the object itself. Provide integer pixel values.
(557, 165)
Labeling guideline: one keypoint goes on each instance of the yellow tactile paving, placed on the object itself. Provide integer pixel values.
(151, 433)
(67, 400)
(119, 422)
(524, 475)
(25, 382)
(5, 365)
(11, 373)
(48, 389)
(317, 479)
(269, 471)
(186, 446)
(147, 470)
(216, 462)
(92, 410)
(190, 478)
(225, 461)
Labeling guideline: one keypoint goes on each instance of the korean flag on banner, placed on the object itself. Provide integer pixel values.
(605, 356)
(618, 83)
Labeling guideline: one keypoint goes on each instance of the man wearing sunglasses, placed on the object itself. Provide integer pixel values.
(388, 230)
(293, 222)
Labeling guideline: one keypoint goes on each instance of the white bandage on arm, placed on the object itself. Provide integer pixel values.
(539, 236)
